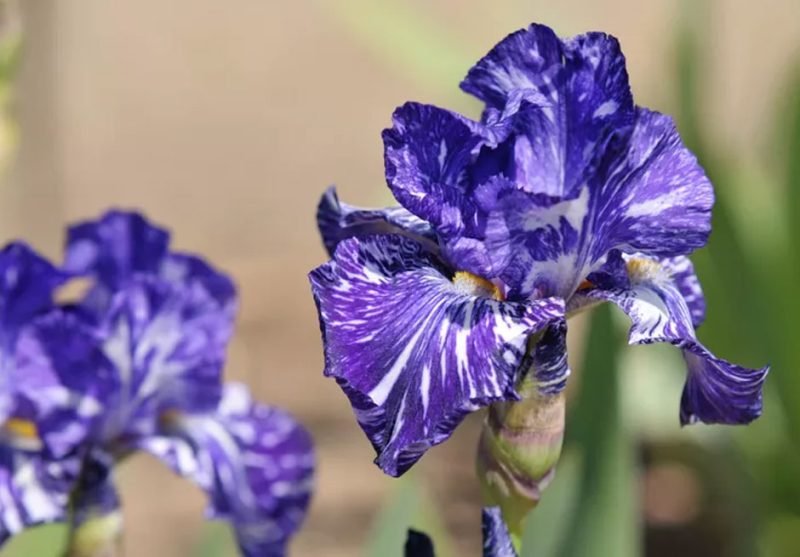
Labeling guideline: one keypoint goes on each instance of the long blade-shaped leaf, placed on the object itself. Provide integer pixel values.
(605, 522)
(407, 508)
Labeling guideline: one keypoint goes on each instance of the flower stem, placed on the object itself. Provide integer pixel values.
(96, 536)
(95, 517)
(519, 447)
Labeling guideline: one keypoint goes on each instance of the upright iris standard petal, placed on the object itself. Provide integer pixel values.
(337, 221)
(167, 344)
(646, 194)
(539, 194)
(188, 271)
(496, 538)
(540, 250)
(123, 245)
(115, 247)
(529, 59)
(33, 491)
(654, 197)
(255, 462)
(576, 91)
(27, 282)
(426, 153)
(414, 351)
(716, 391)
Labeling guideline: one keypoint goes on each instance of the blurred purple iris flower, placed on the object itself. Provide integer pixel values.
(34, 484)
(564, 194)
(136, 365)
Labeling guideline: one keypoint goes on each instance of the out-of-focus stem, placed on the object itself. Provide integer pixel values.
(96, 536)
(95, 516)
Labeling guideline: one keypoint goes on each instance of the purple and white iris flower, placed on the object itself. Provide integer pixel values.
(140, 358)
(564, 194)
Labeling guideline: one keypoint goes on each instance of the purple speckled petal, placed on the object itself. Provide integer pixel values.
(337, 221)
(255, 462)
(414, 351)
(549, 359)
(573, 92)
(654, 197)
(530, 59)
(64, 381)
(563, 169)
(496, 538)
(33, 491)
(115, 247)
(27, 282)
(121, 246)
(425, 153)
(167, 344)
(687, 283)
(540, 250)
(187, 271)
(716, 391)
(650, 195)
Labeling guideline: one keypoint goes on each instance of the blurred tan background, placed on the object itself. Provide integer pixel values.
(225, 120)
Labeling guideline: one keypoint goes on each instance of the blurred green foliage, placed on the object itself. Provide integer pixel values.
(43, 541)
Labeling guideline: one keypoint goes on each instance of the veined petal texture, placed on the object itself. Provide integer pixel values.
(413, 351)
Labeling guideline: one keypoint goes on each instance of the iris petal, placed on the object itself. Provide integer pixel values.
(33, 491)
(716, 391)
(528, 59)
(652, 196)
(412, 351)
(687, 283)
(563, 169)
(573, 92)
(64, 381)
(115, 247)
(167, 344)
(496, 538)
(255, 462)
(549, 359)
(121, 246)
(426, 153)
(27, 282)
(337, 221)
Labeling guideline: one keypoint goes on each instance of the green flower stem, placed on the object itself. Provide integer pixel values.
(95, 524)
(519, 447)
(97, 536)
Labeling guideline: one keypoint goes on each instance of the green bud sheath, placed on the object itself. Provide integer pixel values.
(519, 447)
